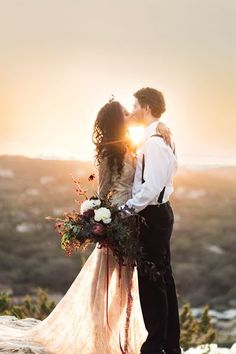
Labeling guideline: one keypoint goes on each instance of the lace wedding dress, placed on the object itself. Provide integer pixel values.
(88, 319)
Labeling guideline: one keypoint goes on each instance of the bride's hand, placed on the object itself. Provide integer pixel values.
(165, 132)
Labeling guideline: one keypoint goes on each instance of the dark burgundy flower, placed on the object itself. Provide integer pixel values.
(89, 213)
(99, 229)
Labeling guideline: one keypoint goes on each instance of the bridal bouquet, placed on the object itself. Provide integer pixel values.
(98, 222)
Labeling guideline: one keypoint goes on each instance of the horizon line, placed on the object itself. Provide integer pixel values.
(210, 161)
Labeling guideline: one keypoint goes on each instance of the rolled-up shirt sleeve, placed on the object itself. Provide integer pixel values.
(155, 175)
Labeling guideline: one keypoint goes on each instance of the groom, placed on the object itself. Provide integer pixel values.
(156, 166)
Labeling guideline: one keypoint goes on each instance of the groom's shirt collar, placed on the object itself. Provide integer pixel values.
(150, 129)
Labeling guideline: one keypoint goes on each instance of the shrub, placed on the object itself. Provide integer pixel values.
(194, 331)
(39, 308)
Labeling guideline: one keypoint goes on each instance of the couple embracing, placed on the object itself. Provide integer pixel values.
(78, 325)
(147, 190)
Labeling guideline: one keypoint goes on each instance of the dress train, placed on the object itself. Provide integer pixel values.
(80, 323)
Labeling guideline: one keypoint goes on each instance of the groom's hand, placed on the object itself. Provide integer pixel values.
(125, 211)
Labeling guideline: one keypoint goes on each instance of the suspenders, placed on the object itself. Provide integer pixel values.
(143, 165)
(161, 195)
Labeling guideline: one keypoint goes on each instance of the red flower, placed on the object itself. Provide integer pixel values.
(99, 229)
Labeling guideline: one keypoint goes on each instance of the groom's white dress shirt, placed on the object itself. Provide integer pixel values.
(160, 168)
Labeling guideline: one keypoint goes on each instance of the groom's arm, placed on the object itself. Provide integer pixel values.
(155, 175)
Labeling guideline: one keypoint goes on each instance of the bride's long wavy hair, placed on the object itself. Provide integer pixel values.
(109, 136)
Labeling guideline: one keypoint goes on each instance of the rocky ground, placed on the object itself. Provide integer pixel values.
(9, 343)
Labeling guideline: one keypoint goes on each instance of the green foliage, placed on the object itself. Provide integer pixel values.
(5, 302)
(39, 308)
(194, 331)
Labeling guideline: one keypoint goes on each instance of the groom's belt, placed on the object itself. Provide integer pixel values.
(159, 205)
(163, 204)
(155, 207)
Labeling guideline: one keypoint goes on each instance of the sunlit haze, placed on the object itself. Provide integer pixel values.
(136, 134)
(60, 61)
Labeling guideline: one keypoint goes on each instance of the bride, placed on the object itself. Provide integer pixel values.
(91, 317)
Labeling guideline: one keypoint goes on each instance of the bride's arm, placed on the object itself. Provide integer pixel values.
(163, 130)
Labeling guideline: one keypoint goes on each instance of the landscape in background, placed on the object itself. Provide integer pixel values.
(203, 242)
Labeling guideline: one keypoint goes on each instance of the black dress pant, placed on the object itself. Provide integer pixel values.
(158, 295)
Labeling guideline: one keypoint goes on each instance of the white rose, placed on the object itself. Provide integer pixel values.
(89, 204)
(103, 214)
(96, 202)
(107, 221)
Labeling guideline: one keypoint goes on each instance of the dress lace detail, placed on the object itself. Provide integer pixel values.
(117, 188)
(78, 324)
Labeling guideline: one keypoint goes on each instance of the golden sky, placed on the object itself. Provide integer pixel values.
(60, 60)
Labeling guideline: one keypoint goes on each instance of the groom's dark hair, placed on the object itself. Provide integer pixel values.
(148, 96)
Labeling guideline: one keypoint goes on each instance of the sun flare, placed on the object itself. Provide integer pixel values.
(136, 134)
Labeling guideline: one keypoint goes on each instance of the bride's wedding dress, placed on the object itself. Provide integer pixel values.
(79, 322)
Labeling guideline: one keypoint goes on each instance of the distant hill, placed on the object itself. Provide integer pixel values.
(203, 243)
